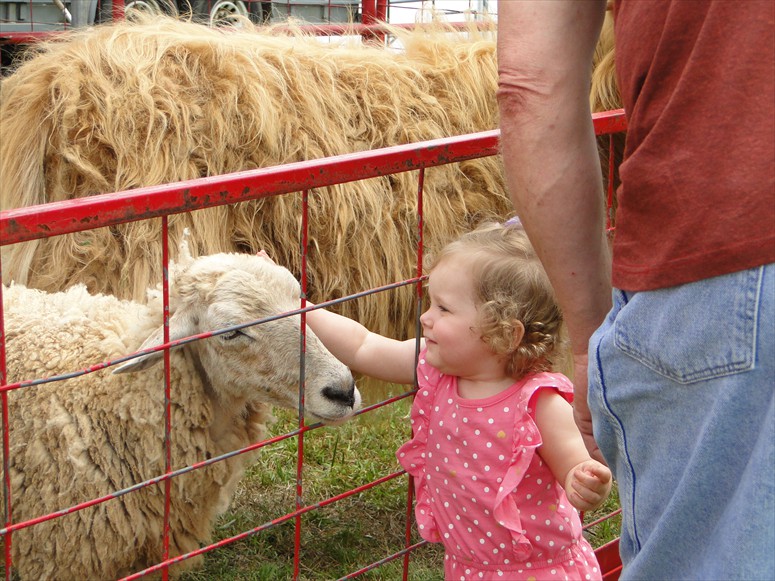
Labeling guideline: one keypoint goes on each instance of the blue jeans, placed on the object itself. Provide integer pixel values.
(681, 388)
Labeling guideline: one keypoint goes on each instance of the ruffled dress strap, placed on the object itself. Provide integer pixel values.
(526, 440)
(412, 455)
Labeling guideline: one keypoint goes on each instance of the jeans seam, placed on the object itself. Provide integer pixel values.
(756, 315)
(603, 391)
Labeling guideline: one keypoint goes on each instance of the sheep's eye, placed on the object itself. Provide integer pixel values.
(231, 335)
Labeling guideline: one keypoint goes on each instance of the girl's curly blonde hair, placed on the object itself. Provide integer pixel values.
(511, 288)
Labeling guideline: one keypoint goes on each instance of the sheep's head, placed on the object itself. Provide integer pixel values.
(259, 362)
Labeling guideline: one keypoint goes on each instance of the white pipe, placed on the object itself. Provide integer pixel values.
(64, 10)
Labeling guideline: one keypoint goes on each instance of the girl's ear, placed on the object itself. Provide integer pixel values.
(519, 332)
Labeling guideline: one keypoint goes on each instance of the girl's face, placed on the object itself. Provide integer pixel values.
(450, 325)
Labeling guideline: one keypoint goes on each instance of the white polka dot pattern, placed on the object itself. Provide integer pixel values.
(483, 490)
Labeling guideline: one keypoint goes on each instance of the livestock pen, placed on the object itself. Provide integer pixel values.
(301, 179)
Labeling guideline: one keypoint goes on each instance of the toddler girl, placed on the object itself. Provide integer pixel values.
(498, 463)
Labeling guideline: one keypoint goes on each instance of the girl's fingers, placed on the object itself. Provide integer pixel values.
(586, 501)
(594, 475)
(601, 472)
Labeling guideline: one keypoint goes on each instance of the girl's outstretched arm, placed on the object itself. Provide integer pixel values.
(587, 482)
(360, 349)
(363, 351)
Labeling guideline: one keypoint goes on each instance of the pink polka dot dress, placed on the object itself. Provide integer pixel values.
(482, 489)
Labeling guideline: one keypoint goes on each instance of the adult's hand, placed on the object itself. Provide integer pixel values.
(581, 411)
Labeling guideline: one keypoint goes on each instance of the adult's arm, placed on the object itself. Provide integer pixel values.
(553, 171)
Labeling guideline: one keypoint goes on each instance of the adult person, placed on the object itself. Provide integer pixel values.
(681, 380)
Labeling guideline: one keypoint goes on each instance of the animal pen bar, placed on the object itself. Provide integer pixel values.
(59, 218)
(23, 21)
(26, 21)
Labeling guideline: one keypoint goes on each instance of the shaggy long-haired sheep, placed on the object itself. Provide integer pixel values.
(91, 436)
(130, 104)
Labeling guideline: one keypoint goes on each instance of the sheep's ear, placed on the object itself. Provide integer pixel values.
(184, 258)
(184, 250)
(180, 326)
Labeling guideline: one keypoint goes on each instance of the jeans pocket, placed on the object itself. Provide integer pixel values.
(696, 331)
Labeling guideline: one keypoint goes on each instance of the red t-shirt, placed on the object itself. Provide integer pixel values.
(698, 178)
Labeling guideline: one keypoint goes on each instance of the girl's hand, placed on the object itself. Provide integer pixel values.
(588, 484)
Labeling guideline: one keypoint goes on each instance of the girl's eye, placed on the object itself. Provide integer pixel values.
(443, 309)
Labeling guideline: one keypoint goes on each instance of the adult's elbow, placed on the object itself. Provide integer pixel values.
(540, 96)
(520, 93)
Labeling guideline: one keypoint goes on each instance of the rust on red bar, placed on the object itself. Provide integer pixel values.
(608, 122)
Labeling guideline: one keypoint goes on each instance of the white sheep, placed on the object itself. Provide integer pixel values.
(90, 436)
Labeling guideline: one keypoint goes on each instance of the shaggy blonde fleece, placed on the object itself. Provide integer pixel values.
(128, 104)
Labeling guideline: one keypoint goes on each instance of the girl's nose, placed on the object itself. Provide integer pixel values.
(425, 319)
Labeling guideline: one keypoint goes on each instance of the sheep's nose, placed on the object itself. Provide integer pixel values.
(341, 395)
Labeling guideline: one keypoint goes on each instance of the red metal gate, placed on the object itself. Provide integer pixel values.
(59, 218)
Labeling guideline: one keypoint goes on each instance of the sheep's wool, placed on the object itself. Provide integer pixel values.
(93, 435)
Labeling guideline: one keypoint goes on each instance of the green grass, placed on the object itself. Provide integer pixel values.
(339, 538)
(609, 529)
(345, 536)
